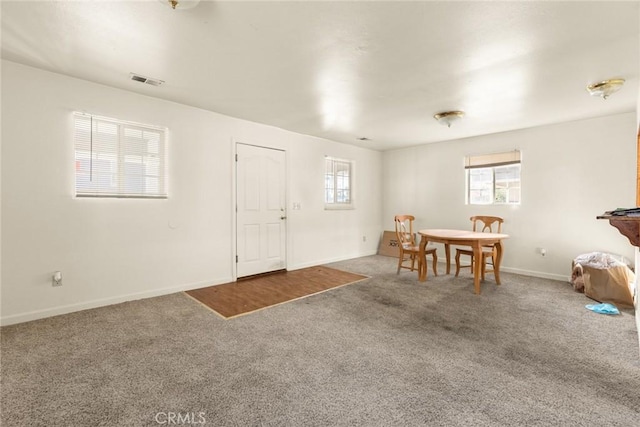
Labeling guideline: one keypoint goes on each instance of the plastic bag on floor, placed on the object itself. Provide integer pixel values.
(604, 308)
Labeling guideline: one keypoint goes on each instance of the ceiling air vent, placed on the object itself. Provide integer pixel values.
(147, 80)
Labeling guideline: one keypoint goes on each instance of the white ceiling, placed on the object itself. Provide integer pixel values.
(344, 70)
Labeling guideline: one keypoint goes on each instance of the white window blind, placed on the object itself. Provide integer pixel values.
(115, 158)
(338, 190)
(494, 159)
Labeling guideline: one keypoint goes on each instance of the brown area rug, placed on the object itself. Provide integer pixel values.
(248, 295)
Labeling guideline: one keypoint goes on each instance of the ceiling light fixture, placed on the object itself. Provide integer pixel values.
(605, 87)
(447, 117)
(181, 4)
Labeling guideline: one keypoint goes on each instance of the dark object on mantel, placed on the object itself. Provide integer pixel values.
(627, 221)
(624, 212)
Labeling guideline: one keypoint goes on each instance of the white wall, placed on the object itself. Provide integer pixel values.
(116, 250)
(113, 250)
(571, 172)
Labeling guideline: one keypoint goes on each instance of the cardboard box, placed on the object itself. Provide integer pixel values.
(611, 285)
(603, 279)
(388, 244)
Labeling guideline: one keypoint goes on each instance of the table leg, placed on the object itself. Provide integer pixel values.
(496, 262)
(422, 260)
(447, 252)
(477, 265)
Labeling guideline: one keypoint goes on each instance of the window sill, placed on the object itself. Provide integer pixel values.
(338, 207)
(117, 196)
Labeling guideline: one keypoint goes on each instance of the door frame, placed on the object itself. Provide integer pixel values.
(234, 198)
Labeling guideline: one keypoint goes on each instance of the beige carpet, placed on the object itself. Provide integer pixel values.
(387, 351)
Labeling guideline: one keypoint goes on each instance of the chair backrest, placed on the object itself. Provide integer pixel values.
(404, 229)
(487, 224)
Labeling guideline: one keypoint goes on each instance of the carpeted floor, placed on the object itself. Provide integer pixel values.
(387, 351)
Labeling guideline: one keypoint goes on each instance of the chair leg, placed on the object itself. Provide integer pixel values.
(492, 265)
(457, 263)
(413, 261)
(435, 264)
(400, 257)
(484, 264)
(483, 267)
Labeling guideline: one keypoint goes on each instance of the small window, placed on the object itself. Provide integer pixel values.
(493, 178)
(119, 159)
(338, 180)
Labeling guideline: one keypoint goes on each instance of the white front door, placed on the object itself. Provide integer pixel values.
(261, 210)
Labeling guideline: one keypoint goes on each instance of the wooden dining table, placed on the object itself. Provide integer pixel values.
(461, 238)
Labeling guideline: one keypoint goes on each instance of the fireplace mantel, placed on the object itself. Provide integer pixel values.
(629, 226)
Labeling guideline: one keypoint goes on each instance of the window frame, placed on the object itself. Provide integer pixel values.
(492, 162)
(120, 152)
(336, 205)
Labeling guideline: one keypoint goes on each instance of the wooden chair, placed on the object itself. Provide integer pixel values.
(407, 247)
(490, 224)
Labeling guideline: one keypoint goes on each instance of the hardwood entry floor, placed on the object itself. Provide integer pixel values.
(248, 295)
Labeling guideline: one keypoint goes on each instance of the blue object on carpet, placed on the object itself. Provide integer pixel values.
(604, 308)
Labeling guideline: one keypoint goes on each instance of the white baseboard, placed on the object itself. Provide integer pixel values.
(330, 260)
(66, 309)
(542, 275)
(531, 273)
(522, 272)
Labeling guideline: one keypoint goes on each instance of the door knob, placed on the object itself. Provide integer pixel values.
(283, 217)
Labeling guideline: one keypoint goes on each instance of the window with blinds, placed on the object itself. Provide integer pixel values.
(338, 189)
(115, 158)
(493, 178)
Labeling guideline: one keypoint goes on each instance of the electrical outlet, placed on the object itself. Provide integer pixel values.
(364, 238)
(56, 279)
